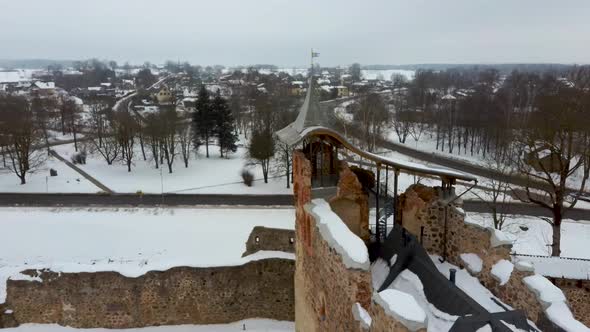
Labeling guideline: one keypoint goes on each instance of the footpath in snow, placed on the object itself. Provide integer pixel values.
(213, 175)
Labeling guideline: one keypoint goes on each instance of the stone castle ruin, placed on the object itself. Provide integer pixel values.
(353, 270)
(353, 274)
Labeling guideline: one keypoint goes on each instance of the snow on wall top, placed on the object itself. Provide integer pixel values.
(497, 237)
(552, 300)
(472, 261)
(558, 267)
(403, 307)
(502, 271)
(352, 249)
(130, 241)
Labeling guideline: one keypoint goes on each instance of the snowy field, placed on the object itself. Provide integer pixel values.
(253, 325)
(66, 181)
(427, 143)
(131, 241)
(370, 74)
(212, 175)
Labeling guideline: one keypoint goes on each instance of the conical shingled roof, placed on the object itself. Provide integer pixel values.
(310, 115)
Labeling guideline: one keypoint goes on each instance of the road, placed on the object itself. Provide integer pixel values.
(83, 200)
(477, 170)
(152, 200)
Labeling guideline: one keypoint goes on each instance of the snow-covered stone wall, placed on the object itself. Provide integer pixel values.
(331, 274)
(183, 295)
(270, 239)
(485, 252)
(333, 290)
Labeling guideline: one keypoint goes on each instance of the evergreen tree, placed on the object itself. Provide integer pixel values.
(203, 120)
(224, 125)
(261, 150)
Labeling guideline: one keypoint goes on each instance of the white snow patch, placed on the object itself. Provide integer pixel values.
(253, 325)
(499, 238)
(502, 271)
(485, 328)
(8, 311)
(361, 315)
(545, 291)
(130, 241)
(408, 282)
(560, 314)
(352, 249)
(403, 307)
(472, 261)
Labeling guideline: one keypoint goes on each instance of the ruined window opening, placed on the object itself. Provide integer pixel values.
(291, 240)
(257, 240)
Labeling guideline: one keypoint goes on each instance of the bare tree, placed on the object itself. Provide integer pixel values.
(185, 142)
(126, 128)
(153, 131)
(70, 113)
(554, 151)
(496, 192)
(372, 115)
(20, 136)
(169, 143)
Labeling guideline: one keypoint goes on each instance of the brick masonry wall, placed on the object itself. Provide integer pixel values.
(577, 293)
(270, 239)
(325, 289)
(181, 295)
(421, 207)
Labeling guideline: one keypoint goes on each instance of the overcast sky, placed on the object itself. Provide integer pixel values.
(281, 32)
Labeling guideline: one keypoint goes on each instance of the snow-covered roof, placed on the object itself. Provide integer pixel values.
(45, 85)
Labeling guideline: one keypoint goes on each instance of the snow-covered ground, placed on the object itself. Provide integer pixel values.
(254, 325)
(427, 143)
(66, 181)
(56, 136)
(385, 74)
(203, 175)
(131, 241)
(532, 235)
